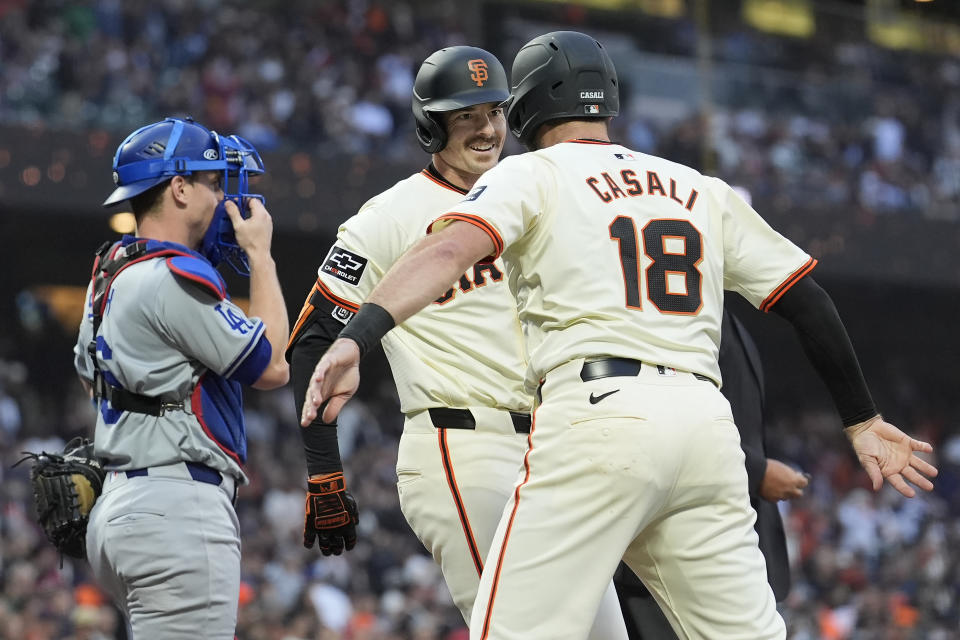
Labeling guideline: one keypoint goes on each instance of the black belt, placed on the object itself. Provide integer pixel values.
(446, 418)
(124, 400)
(199, 472)
(613, 367)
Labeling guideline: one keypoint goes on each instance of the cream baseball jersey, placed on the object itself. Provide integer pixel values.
(465, 349)
(660, 243)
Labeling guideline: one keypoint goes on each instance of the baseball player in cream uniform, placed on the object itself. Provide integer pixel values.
(459, 365)
(620, 261)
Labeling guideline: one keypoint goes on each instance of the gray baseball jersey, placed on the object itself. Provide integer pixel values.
(169, 331)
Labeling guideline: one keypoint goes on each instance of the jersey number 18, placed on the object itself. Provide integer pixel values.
(673, 280)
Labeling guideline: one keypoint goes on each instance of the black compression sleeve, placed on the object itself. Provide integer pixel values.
(825, 341)
(320, 442)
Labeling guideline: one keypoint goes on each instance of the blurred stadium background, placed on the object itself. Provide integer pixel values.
(841, 120)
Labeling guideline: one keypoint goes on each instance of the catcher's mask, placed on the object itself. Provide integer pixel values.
(450, 79)
(560, 75)
(178, 147)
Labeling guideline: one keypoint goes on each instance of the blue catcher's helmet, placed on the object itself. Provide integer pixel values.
(178, 147)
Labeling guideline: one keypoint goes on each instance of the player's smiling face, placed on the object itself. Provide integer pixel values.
(474, 139)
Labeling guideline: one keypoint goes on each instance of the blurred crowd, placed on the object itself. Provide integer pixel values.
(830, 123)
(866, 566)
(335, 75)
(835, 126)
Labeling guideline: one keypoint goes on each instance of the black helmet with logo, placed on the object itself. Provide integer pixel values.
(560, 75)
(450, 79)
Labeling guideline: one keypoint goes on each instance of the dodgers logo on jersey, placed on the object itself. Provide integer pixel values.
(345, 265)
(234, 320)
(476, 193)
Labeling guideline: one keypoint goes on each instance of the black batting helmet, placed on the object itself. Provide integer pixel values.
(560, 75)
(451, 79)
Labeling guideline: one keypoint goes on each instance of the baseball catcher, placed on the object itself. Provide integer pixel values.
(65, 486)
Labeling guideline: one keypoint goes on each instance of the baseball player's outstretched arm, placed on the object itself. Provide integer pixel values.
(254, 235)
(883, 450)
(420, 276)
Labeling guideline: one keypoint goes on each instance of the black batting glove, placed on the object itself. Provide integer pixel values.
(331, 515)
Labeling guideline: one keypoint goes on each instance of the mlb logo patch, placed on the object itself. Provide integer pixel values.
(625, 156)
(591, 109)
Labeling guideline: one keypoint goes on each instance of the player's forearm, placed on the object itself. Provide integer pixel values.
(420, 276)
(320, 443)
(825, 341)
(266, 303)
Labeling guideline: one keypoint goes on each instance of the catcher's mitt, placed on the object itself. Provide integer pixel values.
(65, 486)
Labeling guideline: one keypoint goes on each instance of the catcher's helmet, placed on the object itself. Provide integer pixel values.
(451, 79)
(159, 151)
(560, 75)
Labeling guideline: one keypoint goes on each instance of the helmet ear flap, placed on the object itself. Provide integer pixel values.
(431, 135)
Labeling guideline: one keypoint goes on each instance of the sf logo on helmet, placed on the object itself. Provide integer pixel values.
(478, 68)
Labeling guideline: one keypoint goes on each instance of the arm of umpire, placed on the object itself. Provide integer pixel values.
(254, 235)
(420, 276)
(883, 450)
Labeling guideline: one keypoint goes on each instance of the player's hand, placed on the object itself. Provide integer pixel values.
(255, 233)
(331, 514)
(334, 381)
(886, 452)
(782, 482)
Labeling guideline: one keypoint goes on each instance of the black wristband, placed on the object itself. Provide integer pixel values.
(322, 448)
(371, 323)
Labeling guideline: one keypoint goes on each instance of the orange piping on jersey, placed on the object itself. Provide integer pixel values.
(307, 309)
(329, 295)
(305, 312)
(451, 187)
(777, 293)
(476, 221)
(506, 536)
(458, 501)
(588, 141)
